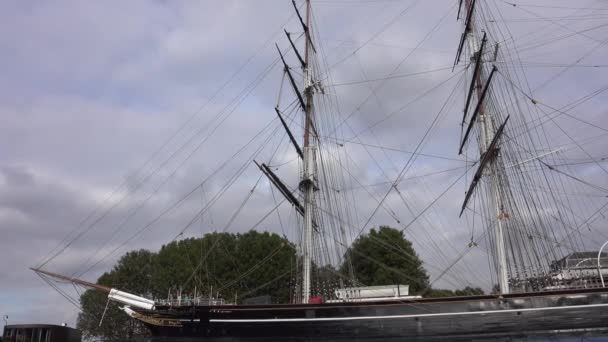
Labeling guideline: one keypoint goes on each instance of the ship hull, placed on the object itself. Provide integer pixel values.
(566, 312)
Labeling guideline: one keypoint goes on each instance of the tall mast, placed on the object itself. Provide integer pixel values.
(487, 132)
(309, 163)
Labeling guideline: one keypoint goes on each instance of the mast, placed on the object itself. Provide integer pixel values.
(487, 132)
(309, 165)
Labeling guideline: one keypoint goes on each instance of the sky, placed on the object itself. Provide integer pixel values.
(114, 104)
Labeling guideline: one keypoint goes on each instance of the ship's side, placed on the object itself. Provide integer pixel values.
(574, 312)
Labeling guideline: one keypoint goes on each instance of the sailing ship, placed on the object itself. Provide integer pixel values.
(534, 295)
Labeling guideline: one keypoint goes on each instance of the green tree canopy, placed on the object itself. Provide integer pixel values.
(219, 261)
(132, 273)
(383, 257)
(467, 291)
(233, 266)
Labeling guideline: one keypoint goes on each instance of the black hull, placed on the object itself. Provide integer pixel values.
(567, 312)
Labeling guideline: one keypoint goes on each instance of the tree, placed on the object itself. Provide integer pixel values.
(273, 275)
(233, 266)
(229, 265)
(467, 291)
(383, 257)
(436, 293)
(132, 273)
(195, 264)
